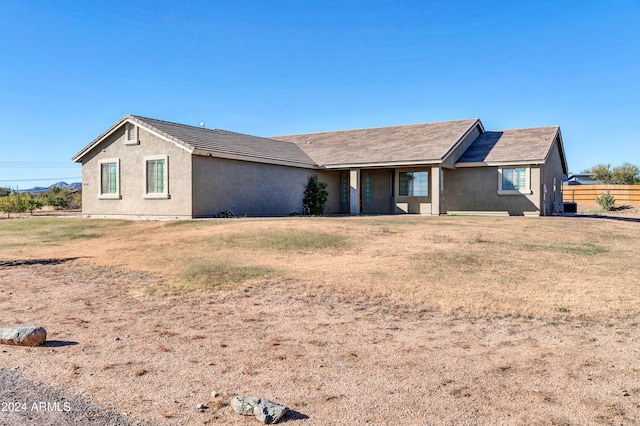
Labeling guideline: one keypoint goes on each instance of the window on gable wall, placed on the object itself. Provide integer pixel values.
(109, 179)
(413, 184)
(156, 177)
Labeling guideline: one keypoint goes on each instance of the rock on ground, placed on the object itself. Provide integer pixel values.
(244, 404)
(268, 412)
(23, 336)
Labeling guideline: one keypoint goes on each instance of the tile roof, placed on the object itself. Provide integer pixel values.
(514, 145)
(417, 143)
(408, 144)
(216, 140)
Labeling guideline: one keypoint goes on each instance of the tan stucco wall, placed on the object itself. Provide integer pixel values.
(475, 189)
(416, 205)
(552, 169)
(255, 189)
(132, 202)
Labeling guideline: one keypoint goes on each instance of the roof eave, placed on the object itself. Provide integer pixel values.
(407, 163)
(134, 120)
(499, 163)
(563, 158)
(453, 147)
(84, 151)
(253, 159)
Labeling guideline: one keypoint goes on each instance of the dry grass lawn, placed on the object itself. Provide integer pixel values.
(535, 268)
(382, 320)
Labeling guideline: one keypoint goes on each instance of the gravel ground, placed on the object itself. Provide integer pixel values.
(23, 402)
(122, 359)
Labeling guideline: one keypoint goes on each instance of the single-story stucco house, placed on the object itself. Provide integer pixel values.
(147, 168)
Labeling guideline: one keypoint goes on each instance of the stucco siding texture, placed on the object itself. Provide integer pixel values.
(474, 189)
(132, 178)
(216, 140)
(552, 174)
(418, 143)
(515, 145)
(254, 189)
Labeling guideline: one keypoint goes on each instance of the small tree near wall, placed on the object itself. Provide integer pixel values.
(315, 197)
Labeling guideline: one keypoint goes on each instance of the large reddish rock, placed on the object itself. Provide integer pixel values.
(23, 336)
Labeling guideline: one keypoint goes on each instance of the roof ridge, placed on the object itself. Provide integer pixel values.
(139, 117)
(525, 128)
(376, 128)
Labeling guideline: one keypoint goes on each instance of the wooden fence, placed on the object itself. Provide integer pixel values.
(586, 194)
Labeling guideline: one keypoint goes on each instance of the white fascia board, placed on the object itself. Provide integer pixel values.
(500, 163)
(97, 141)
(119, 124)
(252, 159)
(383, 165)
(459, 141)
(557, 141)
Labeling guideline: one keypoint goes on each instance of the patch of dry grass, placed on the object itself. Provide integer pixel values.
(529, 267)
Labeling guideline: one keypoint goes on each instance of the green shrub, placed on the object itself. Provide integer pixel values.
(315, 197)
(606, 201)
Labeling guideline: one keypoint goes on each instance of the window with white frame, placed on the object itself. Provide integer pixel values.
(413, 184)
(109, 178)
(514, 180)
(156, 176)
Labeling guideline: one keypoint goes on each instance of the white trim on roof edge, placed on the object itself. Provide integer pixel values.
(118, 124)
(181, 144)
(252, 159)
(382, 165)
(501, 163)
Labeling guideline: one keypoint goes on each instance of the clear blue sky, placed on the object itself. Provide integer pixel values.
(70, 69)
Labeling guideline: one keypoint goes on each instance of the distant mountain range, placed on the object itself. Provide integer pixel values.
(70, 186)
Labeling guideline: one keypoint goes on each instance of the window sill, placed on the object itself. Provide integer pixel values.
(156, 196)
(132, 142)
(514, 192)
(109, 197)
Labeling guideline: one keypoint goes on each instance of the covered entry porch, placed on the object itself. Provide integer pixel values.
(416, 190)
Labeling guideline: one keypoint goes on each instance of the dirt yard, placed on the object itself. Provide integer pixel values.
(120, 355)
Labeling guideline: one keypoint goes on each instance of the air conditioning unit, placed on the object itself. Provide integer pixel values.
(570, 208)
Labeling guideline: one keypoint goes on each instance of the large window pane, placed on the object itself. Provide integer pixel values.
(514, 179)
(155, 176)
(413, 184)
(108, 178)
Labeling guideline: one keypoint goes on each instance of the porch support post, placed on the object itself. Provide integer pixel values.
(354, 191)
(435, 190)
